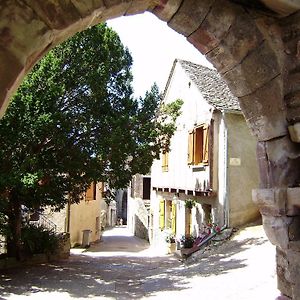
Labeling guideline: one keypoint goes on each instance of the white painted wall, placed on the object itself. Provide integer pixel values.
(195, 111)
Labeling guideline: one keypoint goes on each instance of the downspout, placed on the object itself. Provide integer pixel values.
(225, 175)
(68, 216)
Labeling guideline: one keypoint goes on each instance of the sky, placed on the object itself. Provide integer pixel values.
(154, 46)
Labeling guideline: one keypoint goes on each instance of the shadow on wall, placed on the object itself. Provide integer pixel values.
(89, 276)
(140, 230)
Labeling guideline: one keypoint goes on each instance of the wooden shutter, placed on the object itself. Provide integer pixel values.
(173, 218)
(90, 194)
(162, 214)
(205, 144)
(191, 147)
(198, 145)
(165, 161)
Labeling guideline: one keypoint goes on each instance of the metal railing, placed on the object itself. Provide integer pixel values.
(45, 222)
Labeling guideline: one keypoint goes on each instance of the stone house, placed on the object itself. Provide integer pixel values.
(138, 205)
(209, 173)
(82, 220)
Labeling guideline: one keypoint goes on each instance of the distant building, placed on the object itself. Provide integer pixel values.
(86, 215)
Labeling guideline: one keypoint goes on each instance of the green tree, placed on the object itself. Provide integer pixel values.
(73, 121)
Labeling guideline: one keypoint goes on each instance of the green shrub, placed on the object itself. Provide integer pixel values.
(37, 239)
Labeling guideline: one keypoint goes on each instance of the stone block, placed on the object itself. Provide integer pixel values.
(189, 16)
(265, 111)
(9, 67)
(236, 46)
(294, 245)
(115, 8)
(56, 14)
(277, 230)
(88, 7)
(293, 201)
(270, 201)
(24, 31)
(283, 282)
(211, 32)
(166, 9)
(282, 159)
(254, 72)
(141, 6)
(293, 269)
(294, 229)
(294, 131)
(293, 114)
(282, 297)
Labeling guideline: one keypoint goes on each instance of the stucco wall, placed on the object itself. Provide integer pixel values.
(83, 216)
(243, 173)
(195, 111)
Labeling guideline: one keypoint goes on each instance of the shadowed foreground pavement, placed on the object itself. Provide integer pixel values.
(124, 267)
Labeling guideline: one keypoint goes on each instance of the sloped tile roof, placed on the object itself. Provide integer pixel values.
(213, 88)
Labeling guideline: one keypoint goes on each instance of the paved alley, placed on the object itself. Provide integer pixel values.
(124, 267)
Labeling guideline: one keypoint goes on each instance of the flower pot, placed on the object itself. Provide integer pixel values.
(171, 248)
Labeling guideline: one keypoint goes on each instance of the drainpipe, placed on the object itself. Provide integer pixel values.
(225, 175)
(68, 216)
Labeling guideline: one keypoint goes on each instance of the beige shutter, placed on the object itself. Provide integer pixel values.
(173, 218)
(162, 214)
(205, 144)
(191, 147)
(165, 161)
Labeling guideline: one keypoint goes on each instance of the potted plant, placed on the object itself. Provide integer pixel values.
(187, 241)
(171, 242)
(190, 203)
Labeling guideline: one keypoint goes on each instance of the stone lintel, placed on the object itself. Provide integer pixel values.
(270, 201)
(294, 131)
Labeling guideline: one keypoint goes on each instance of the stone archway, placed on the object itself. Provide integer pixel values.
(255, 45)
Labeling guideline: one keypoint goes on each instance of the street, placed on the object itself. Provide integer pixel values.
(124, 267)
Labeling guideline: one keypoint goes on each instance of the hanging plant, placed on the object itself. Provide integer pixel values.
(190, 203)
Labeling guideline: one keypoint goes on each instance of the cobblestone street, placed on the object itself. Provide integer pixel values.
(124, 267)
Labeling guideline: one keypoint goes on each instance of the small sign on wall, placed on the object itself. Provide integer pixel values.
(235, 161)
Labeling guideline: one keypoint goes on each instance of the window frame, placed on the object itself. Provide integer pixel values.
(198, 145)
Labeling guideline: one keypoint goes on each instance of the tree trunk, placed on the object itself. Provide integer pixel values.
(14, 247)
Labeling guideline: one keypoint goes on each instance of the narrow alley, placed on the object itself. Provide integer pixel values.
(124, 267)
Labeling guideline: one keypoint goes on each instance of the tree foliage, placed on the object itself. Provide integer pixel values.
(73, 121)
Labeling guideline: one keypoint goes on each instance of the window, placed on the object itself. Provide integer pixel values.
(146, 188)
(165, 161)
(91, 192)
(198, 145)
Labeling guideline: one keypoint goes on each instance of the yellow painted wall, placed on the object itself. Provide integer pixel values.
(84, 216)
(243, 173)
